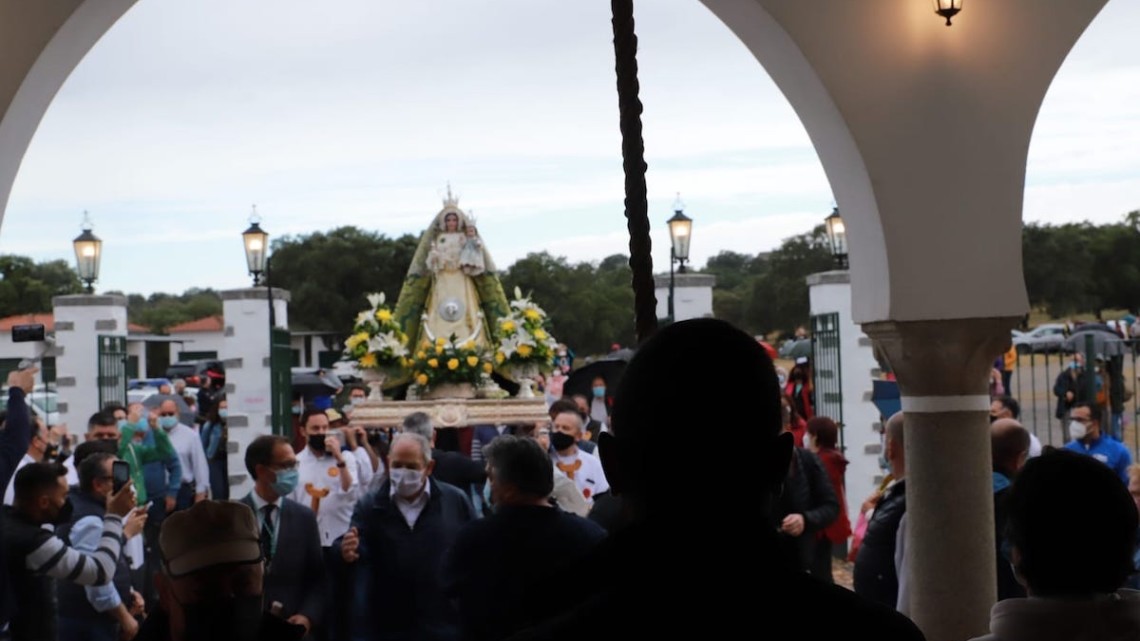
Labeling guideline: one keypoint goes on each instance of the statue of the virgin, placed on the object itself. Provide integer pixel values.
(451, 289)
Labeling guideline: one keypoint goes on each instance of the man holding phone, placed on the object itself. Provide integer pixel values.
(104, 612)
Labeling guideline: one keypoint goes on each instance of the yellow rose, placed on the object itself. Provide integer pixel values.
(421, 355)
(383, 315)
(421, 379)
(368, 360)
(453, 364)
(500, 357)
(438, 349)
(540, 334)
(433, 363)
(525, 350)
(508, 326)
(440, 342)
(531, 314)
(425, 344)
(487, 367)
(472, 361)
(469, 345)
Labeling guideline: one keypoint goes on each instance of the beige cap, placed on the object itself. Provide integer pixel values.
(209, 533)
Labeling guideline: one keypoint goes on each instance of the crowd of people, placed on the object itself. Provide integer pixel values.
(568, 529)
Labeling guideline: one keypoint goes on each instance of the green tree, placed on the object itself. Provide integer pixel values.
(329, 274)
(27, 287)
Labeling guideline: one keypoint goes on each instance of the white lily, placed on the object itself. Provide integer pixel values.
(366, 318)
(509, 346)
(376, 300)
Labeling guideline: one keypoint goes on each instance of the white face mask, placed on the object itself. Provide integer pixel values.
(809, 442)
(407, 482)
(1077, 430)
(356, 400)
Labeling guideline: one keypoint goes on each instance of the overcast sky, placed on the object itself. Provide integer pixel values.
(187, 113)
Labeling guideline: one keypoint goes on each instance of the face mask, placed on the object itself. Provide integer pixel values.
(63, 516)
(783, 380)
(488, 504)
(317, 443)
(809, 442)
(223, 619)
(286, 482)
(167, 422)
(356, 400)
(1077, 430)
(407, 482)
(222, 414)
(993, 418)
(599, 392)
(296, 411)
(561, 441)
(51, 452)
(122, 423)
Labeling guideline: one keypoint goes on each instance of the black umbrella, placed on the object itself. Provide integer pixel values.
(581, 380)
(185, 416)
(309, 384)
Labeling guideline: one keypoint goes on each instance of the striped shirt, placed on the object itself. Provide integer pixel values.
(52, 557)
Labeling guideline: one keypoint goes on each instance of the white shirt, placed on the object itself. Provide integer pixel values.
(412, 509)
(334, 510)
(589, 477)
(72, 473)
(260, 504)
(195, 469)
(363, 469)
(10, 493)
(598, 410)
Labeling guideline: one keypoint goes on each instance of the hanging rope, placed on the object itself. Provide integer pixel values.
(633, 162)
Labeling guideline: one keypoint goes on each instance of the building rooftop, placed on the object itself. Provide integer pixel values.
(48, 321)
(207, 324)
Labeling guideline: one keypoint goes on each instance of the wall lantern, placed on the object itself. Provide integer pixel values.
(88, 252)
(837, 235)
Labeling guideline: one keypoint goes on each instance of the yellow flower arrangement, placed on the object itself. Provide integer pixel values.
(449, 362)
(377, 340)
(522, 336)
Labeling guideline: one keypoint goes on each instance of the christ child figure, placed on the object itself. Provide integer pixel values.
(471, 256)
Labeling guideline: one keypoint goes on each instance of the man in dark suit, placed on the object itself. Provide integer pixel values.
(632, 586)
(398, 537)
(452, 468)
(290, 541)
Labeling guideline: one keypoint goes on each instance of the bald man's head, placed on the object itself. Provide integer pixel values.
(1009, 442)
(895, 445)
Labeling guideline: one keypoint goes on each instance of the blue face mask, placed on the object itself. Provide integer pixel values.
(167, 422)
(140, 427)
(222, 414)
(296, 410)
(286, 482)
(599, 392)
(122, 423)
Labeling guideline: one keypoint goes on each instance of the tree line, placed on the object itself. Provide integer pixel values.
(1069, 269)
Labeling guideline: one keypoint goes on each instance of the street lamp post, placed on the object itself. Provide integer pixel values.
(256, 241)
(837, 236)
(88, 252)
(680, 233)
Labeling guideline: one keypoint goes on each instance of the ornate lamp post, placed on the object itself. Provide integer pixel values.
(680, 233)
(947, 9)
(837, 235)
(88, 252)
(256, 242)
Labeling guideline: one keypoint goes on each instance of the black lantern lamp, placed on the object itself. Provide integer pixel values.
(256, 242)
(837, 236)
(680, 232)
(947, 9)
(88, 252)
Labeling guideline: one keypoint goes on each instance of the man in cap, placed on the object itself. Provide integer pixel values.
(210, 584)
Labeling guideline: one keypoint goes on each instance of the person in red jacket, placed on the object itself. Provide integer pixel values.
(821, 438)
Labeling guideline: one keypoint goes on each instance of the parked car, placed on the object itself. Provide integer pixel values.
(44, 405)
(1047, 338)
(194, 371)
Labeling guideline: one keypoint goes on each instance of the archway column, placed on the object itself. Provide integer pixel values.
(943, 370)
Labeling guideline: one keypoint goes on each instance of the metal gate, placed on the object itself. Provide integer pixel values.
(281, 381)
(827, 379)
(112, 370)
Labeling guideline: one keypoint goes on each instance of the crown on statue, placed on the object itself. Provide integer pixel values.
(452, 201)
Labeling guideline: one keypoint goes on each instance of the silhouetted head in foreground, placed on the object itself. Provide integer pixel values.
(692, 394)
(1072, 526)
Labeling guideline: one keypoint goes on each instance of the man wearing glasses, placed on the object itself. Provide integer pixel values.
(1087, 439)
(295, 579)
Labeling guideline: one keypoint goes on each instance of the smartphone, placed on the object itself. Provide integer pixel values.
(28, 333)
(120, 474)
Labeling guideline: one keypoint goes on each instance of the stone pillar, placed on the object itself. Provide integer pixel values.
(692, 295)
(830, 292)
(245, 351)
(943, 370)
(79, 322)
